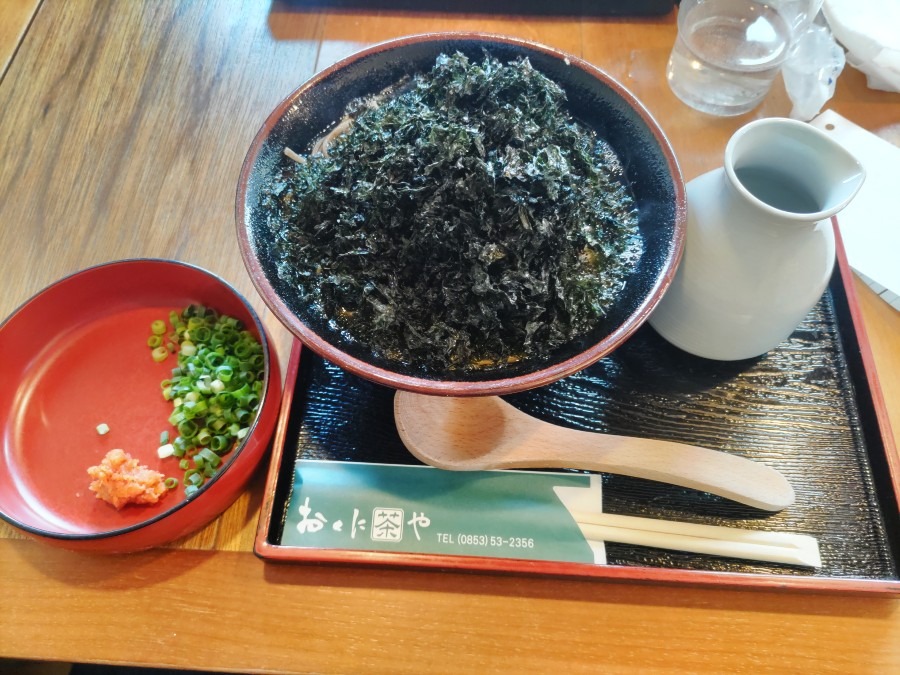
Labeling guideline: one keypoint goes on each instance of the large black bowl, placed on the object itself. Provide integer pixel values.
(594, 98)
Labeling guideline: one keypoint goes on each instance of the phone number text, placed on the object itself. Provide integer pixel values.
(484, 540)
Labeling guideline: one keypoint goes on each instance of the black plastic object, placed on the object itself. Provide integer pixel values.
(509, 7)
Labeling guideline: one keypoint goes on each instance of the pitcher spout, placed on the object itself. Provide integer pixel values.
(792, 170)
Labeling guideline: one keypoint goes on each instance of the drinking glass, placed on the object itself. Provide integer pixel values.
(728, 52)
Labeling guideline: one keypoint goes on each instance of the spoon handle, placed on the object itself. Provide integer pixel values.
(482, 433)
(691, 466)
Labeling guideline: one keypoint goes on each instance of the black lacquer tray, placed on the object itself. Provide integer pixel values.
(809, 408)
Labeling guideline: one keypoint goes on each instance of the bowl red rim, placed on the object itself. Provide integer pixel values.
(422, 385)
(235, 454)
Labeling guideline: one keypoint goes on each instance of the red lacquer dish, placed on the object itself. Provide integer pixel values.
(75, 357)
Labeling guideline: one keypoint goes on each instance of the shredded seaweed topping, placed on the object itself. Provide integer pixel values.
(462, 221)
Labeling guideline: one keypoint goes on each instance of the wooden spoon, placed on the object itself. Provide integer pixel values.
(486, 432)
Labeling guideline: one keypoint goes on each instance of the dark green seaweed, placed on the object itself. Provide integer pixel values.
(462, 221)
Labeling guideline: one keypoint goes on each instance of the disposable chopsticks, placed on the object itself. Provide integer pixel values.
(778, 547)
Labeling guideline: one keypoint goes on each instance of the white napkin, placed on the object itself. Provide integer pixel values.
(870, 225)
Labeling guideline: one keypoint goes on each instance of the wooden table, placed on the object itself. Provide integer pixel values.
(124, 125)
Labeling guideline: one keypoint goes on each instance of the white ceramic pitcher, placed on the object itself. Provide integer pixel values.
(759, 250)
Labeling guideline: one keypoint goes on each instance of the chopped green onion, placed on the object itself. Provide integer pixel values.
(171, 483)
(219, 444)
(213, 359)
(164, 437)
(209, 457)
(103, 428)
(201, 334)
(181, 446)
(204, 437)
(225, 399)
(197, 408)
(215, 389)
(188, 429)
(159, 354)
(154, 341)
(166, 450)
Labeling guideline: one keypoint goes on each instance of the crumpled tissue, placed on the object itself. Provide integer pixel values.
(870, 32)
(811, 70)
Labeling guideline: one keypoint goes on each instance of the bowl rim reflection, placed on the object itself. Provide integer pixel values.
(542, 375)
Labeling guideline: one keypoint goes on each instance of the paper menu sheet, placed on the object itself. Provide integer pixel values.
(870, 224)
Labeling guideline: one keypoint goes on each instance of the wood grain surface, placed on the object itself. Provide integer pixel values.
(15, 16)
(124, 126)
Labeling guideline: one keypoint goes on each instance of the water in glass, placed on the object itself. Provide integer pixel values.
(726, 54)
